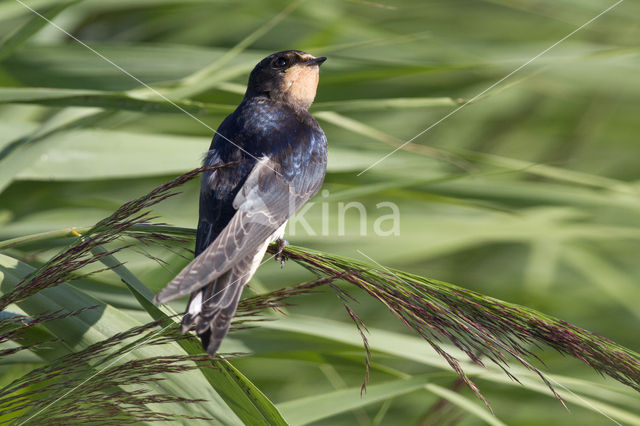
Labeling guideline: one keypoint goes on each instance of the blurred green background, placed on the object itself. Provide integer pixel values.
(530, 194)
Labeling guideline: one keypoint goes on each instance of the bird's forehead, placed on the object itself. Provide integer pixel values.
(303, 56)
(306, 56)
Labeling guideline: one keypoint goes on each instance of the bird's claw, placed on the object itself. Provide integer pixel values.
(282, 243)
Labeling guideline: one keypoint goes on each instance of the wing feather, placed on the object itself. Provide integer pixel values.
(264, 203)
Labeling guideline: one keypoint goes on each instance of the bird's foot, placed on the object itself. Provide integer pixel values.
(282, 243)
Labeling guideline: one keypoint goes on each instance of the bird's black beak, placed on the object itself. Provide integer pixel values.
(316, 61)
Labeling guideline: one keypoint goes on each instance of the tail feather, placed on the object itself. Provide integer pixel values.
(219, 327)
(211, 309)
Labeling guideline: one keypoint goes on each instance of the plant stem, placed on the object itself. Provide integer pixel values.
(74, 232)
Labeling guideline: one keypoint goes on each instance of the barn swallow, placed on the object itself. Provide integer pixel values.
(276, 155)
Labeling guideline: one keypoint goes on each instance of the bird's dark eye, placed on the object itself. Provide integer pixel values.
(280, 62)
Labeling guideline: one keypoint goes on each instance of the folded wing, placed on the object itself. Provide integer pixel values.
(264, 203)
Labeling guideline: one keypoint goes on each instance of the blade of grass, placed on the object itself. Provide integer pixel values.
(382, 104)
(460, 157)
(31, 28)
(242, 396)
(318, 407)
(413, 349)
(120, 101)
(103, 322)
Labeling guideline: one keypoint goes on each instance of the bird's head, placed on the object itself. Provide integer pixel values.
(290, 77)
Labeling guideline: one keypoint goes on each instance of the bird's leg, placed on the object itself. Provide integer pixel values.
(282, 243)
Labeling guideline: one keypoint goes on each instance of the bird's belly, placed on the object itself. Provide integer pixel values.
(278, 234)
(257, 258)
